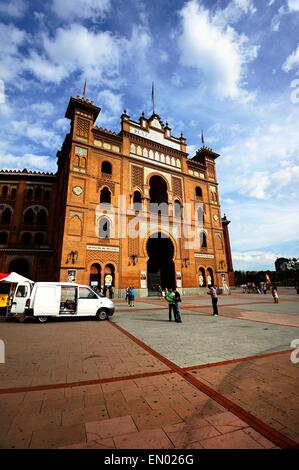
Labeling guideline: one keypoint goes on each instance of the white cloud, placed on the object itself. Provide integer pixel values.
(292, 61)
(11, 39)
(14, 8)
(292, 6)
(97, 54)
(62, 124)
(37, 134)
(28, 160)
(83, 9)
(43, 108)
(209, 44)
(112, 102)
(258, 225)
(234, 10)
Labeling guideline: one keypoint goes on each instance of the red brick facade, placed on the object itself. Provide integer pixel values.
(141, 164)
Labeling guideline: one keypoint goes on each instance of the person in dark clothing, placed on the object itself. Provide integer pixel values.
(177, 300)
(169, 297)
(214, 296)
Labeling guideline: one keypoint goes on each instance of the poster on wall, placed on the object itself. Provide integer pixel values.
(71, 275)
(178, 279)
(143, 280)
(108, 280)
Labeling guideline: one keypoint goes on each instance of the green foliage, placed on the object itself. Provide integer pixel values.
(285, 278)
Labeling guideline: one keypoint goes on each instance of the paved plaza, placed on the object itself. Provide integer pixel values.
(139, 381)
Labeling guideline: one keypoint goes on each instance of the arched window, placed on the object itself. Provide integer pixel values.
(41, 217)
(104, 228)
(106, 168)
(105, 196)
(6, 216)
(26, 238)
(200, 216)
(29, 194)
(158, 195)
(137, 201)
(29, 216)
(203, 240)
(3, 237)
(38, 239)
(4, 190)
(47, 195)
(13, 193)
(38, 194)
(177, 209)
(198, 192)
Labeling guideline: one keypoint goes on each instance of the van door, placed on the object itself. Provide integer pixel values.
(46, 301)
(22, 293)
(88, 302)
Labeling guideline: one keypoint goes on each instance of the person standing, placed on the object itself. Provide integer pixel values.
(177, 300)
(170, 295)
(275, 294)
(214, 297)
(128, 295)
(132, 297)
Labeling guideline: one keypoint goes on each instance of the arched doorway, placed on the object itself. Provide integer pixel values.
(95, 276)
(202, 278)
(158, 195)
(160, 265)
(210, 277)
(20, 266)
(109, 275)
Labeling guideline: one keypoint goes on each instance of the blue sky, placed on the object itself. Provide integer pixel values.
(228, 67)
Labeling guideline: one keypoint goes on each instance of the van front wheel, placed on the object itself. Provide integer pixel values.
(42, 319)
(102, 314)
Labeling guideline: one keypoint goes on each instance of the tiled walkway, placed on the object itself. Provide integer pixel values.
(139, 381)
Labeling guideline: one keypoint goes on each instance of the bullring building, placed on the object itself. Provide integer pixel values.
(126, 208)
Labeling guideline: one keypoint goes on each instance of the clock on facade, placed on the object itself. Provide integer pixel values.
(77, 190)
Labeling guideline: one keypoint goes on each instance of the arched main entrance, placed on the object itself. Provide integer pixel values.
(20, 266)
(95, 276)
(160, 265)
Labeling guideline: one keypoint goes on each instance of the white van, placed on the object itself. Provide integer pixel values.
(65, 299)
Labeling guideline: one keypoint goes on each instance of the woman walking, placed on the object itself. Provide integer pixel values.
(275, 294)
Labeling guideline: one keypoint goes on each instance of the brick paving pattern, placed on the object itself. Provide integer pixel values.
(139, 381)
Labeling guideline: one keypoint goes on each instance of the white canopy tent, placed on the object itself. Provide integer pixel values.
(14, 278)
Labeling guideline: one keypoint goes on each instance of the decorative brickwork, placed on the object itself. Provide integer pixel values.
(106, 181)
(137, 176)
(102, 256)
(82, 127)
(133, 246)
(211, 171)
(177, 187)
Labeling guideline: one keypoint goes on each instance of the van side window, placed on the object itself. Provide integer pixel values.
(21, 291)
(86, 293)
